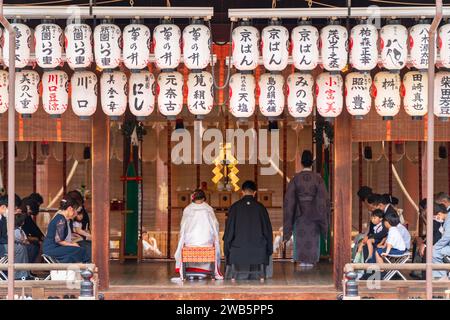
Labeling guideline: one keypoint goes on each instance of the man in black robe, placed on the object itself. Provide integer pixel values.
(248, 239)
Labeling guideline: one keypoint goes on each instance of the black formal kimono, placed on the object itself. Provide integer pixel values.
(306, 215)
(31, 229)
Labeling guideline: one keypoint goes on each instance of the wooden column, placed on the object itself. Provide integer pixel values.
(100, 196)
(64, 168)
(342, 190)
(34, 167)
(390, 167)
(360, 182)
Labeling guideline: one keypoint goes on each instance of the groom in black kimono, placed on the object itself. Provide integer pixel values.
(248, 239)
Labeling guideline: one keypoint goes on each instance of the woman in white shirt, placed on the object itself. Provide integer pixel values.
(394, 245)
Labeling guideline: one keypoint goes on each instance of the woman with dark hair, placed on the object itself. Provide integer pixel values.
(85, 223)
(57, 243)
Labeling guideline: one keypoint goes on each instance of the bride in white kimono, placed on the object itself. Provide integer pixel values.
(199, 228)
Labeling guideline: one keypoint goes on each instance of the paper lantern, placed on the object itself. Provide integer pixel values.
(444, 46)
(55, 92)
(419, 40)
(300, 99)
(141, 94)
(357, 94)
(2, 40)
(107, 45)
(136, 46)
(113, 93)
(415, 94)
(364, 47)
(48, 45)
(305, 47)
(386, 91)
(333, 47)
(196, 46)
(84, 90)
(170, 93)
(442, 95)
(200, 98)
(245, 51)
(275, 47)
(27, 95)
(4, 97)
(79, 53)
(393, 46)
(271, 97)
(166, 40)
(242, 95)
(23, 45)
(329, 92)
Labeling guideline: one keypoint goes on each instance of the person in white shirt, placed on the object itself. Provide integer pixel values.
(395, 245)
(405, 235)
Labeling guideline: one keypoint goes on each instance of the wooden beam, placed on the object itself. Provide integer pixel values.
(100, 196)
(342, 191)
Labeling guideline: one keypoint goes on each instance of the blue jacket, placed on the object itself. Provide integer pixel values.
(444, 241)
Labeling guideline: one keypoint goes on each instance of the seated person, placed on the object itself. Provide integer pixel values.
(376, 238)
(57, 243)
(248, 238)
(22, 239)
(86, 225)
(373, 203)
(150, 246)
(394, 245)
(441, 248)
(31, 208)
(199, 228)
(84, 239)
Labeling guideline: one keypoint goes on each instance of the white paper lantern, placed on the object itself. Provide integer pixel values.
(4, 97)
(27, 94)
(419, 40)
(242, 95)
(167, 43)
(329, 92)
(393, 46)
(55, 92)
(141, 94)
(333, 47)
(170, 94)
(300, 99)
(1, 42)
(107, 45)
(271, 97)
(387, 94)
(357, 93)
(245, 51)
(442, 95)
(84, 90)
(275, 47)
(196, 46)
(364, 47)
(200, 98)
(23, 45)
(305, 47)
(48, 45)
(444, 46)
(415, 93)
(136, 46)
(79, 54)
(113, 93)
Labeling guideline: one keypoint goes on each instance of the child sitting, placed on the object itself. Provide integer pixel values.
(394, 245)
(377, 236)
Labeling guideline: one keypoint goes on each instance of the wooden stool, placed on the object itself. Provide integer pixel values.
(197, 255)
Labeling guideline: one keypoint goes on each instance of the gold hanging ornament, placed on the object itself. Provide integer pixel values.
(225, 166)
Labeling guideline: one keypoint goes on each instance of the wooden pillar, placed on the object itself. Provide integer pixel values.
(420, 167)
(64, 168)
(390, 167)
(5, 165)
(342, 190)
(169, 188)
(360, 182)
(100, 196)
(34, 167)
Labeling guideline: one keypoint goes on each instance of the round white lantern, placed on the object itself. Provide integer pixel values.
(48, 39)
(444, 45)
(84, 90)
(136, 46)
(271, 97)
(275, 47)
(55, 92)
(4, 97)
(23, 45)
(79, 53)
(242, 95)
(415, 94)
(167, 44)
(1, 42)
(333, 47)
(387, 94)
(357, 93)
(442, 95)
(170, 93)
(329, 92)
(245, 51)
(141, 94)
(200, 98)
(27, 94)
(107, 43)
(113, 93)
(305, 47)
(300, 99)
(364, 47)
(196, 46)
(393, 46)
(418, 45)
